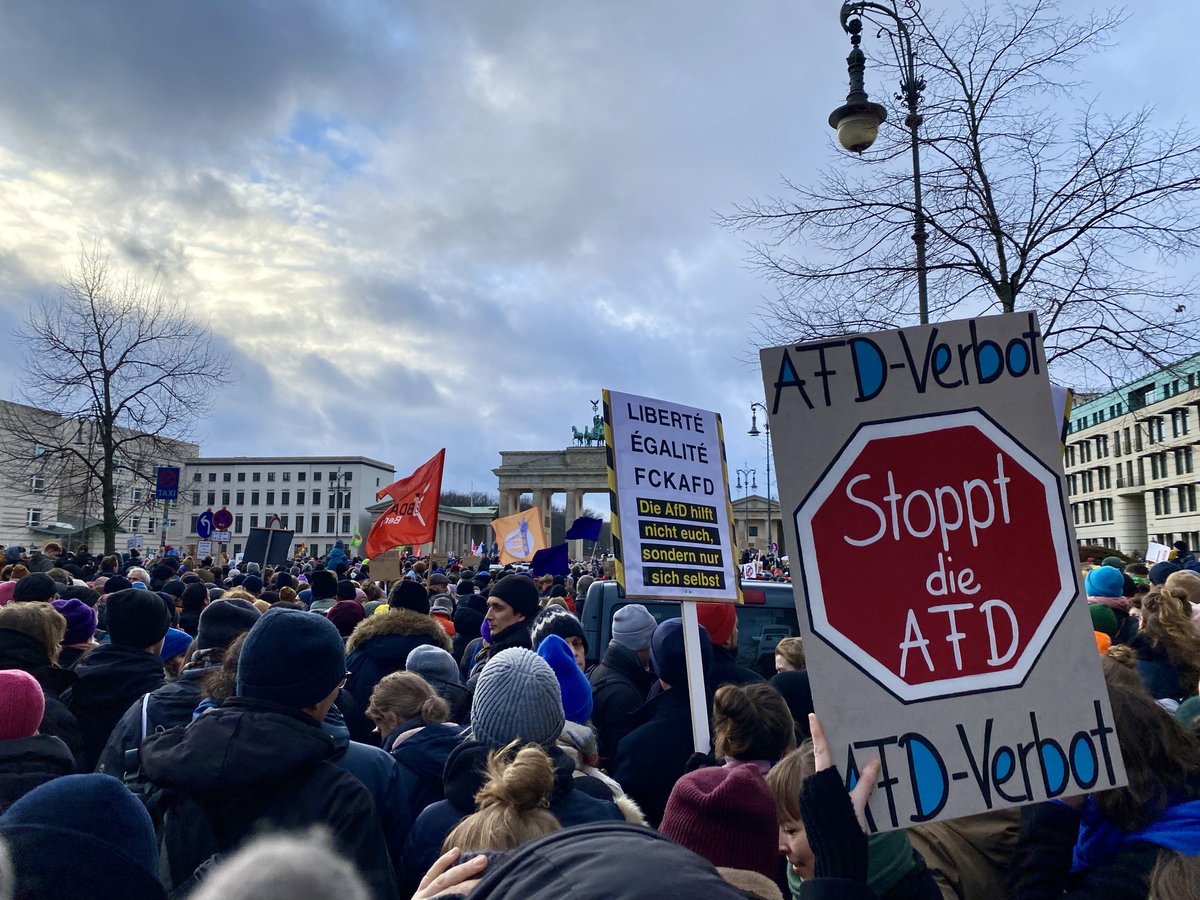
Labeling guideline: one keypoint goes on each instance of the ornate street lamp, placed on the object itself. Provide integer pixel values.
(754, 432)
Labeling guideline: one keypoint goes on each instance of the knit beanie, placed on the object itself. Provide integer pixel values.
(176, 642)
(253, 584)
(1160, 572)
(408, 594)
(346, 589)
(117, 583)
(433, 664)
(291, 657)
(100, 823)
(517, 698)
(323, 584)
(345, 615)
(81, 620)
(556, 620)
(223, 620)
(727, 815)
(22, 704)
(6, 591)
(572, 683)
(1103, 619)
(465, 588)
(667, 653)
(519, 592)
(718, 619)
(1104, 581)
(37, 587)
(174, 587)
(136, 618)
(1114, 562)
(633, 627)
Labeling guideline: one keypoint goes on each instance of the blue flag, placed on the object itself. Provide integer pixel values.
(585, 528)
(551, 561)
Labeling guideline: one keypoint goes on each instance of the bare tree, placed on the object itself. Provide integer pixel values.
(1079, 220)
(117, 375)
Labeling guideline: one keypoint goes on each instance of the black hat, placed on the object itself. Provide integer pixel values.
(268, 669)
(323, 584)
(37, 587)
(137, 618)
(519, 592)
(347, 589)
(117, 583)
(408, 594)
(224, 620)
(174, 587)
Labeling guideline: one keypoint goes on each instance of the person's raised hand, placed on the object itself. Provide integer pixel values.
(444, 874)
(823, 758)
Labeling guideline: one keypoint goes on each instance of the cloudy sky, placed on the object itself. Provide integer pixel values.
(428, 224)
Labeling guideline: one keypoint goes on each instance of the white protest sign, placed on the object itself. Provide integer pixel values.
(1156, 553)
(204, 548)
(916, 466)
(672, 519)
(135, 542)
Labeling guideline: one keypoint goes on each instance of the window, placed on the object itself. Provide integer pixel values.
(212, 498)
(241, 476)
(316, 476)
(135, 494)
(316, 523)
(316, 498)
(347, 476)
(270, 476)
(212, 476)
(33, 516)
(237, 523)
(254, 495)
(287, 476)
(283, 521)
(224, 498)
(135, 523)
(151, 525)
(752, 531)
(37, 484)
(241, 498)
(253, 520)
(196, 477)
(117, 492)
(194, 520)
(270, 498)
(256, 476)
(195, 500)
(285, 498)
(332, 499)
(227, 476)
(346, 523)
(300, 476)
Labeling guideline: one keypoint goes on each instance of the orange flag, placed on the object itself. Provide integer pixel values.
(412, 517)
(519, 536)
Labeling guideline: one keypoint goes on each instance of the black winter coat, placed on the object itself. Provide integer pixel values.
(1162, 678)
(724, 669)
(26, 763)
(255, 765)
(619, 687)
(108, 680)
(515, 635)
(168, 706)
(379, 646)
(652, 757)
(421, 759)
(1044, 855)
(25, 652)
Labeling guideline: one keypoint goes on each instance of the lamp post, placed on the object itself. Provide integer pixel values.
(754, 432)
(337, 481)
(746, 481)
(857, 120)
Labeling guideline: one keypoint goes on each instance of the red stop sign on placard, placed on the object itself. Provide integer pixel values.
(935, 555)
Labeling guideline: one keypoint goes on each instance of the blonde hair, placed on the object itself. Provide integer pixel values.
(512, 805)
(1185, 584)
(238, 593)
(792, 649)
(407, 696)
(288, 595)
(785, 779)
(1175, 877)
(1124, 654)
(15, 572)
(39, 620)
(751, 722)
(1167, 623)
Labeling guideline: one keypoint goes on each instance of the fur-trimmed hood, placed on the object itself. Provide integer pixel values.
(400, 622)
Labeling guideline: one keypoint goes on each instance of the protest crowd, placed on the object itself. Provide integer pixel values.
(183, 727)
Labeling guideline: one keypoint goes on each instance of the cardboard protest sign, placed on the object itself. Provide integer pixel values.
(1156, 552)
(671, 516)
(386, 566)
(934, 568)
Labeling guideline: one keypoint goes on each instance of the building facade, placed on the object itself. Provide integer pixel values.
(321, 498)
(1131, 461)
(751, 529)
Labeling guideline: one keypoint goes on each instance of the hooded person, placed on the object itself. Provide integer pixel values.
(262, 760)
(622, 680)
(173, 703)
(111, 841)
(438, 668)
(337, 556)
(381, 644)
(512, 605)
(653, 756)
(27, 759)
(468, 623)
(517, 699)
(111, 677)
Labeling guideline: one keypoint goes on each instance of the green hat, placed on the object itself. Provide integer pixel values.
(1114, 561)
(1103, 619)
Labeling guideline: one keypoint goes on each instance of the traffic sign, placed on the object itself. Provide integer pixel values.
(222, 519)
(943, 504)
(166, 485)
(220, 537)
(204, 523)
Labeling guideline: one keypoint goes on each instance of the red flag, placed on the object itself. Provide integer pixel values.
(412, 517)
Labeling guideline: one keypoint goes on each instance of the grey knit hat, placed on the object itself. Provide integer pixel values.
(433, 664)
(517, 698)
(556, 620)
(633, 627)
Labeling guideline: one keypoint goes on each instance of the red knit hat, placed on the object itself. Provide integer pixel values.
(718, 620)
(727, 815)
(21, 704)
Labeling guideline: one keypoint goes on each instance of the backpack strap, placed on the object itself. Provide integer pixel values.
(133, 764)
